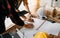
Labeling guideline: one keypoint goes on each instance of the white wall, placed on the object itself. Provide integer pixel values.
(42, 2)
(31, 4)
(56, 3)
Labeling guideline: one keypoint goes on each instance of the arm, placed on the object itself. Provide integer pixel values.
(37, 5)
(26, 5)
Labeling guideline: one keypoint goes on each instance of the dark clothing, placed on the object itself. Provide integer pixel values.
(4, 11)
(7, 35)
(2, 24)
(2, 17)
(15, 18)
(22, 13)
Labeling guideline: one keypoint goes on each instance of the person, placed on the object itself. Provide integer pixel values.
(13, 11)
(2, 17)
(7, 9)
(25, 3)
(21, 12)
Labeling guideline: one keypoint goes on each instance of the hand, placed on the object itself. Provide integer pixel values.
(30, 20)
(29, 26)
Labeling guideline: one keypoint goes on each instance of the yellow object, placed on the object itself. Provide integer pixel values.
(41, 35)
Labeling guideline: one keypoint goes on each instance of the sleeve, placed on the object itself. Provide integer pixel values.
(17, 21)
